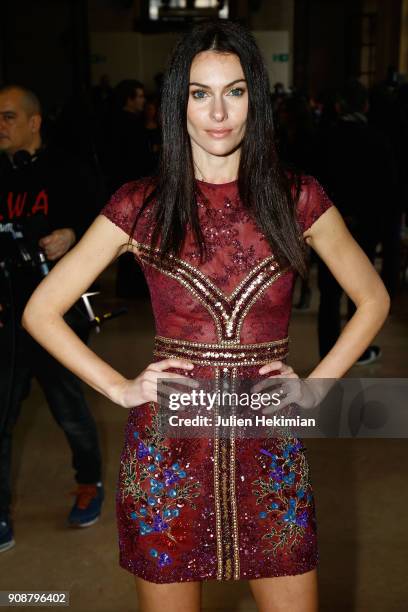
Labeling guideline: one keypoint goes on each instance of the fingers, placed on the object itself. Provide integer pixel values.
(273, 382)
(45, 241)
(271, 367)
(58, 243)
(285, 370)
(149, 380)
(159, 366)
(288, 394)
(53, 255)
(182, 381)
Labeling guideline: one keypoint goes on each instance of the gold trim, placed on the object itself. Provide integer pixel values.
(228, 313)
(225, 310)
(226, 355)
(225, 509)
(224, 344)
(217, 501)
(235, 533)
(229, 297)
(227, 364)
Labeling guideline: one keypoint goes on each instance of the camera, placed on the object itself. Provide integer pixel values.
(18, 249)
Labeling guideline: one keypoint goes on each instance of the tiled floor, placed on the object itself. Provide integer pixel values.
(360, 487)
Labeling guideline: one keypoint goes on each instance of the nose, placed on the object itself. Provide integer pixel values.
(218, 109)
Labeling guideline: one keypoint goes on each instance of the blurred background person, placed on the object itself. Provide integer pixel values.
(356, 166)
(43, 203)
(295, 132)
(128, 156)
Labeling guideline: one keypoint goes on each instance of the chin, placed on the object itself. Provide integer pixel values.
(221, 149)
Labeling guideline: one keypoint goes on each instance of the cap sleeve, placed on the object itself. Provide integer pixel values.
(313, 202)
(124, 205)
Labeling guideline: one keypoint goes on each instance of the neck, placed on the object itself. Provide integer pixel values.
(215, 168)
(31, 148)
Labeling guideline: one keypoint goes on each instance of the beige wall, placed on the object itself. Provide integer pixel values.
(132, 55)
(129, 55)
(122, 53)
(277, 15)
(272, 44)
(273, 15)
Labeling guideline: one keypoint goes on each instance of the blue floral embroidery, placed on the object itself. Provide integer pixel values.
(169, 487)
(283, 494)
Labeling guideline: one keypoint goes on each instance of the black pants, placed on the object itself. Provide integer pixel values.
(329, 319)
(65, 398)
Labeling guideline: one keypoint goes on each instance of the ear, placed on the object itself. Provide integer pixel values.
(35, 123)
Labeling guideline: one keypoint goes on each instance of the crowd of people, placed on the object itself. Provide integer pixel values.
(352, 141)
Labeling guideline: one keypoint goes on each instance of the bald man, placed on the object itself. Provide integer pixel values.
(20, 125)
(41, 194)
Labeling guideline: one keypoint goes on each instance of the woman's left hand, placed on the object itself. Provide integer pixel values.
(293, 391)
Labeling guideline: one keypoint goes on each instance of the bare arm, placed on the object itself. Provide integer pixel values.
(332, 241)
(334, 244)
(43, 317)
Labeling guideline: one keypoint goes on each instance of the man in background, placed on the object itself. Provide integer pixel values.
(127, 148)
(128, 157)
(356, 167)
(43, 205)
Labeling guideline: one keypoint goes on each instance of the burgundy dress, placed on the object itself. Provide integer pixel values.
(215, 508)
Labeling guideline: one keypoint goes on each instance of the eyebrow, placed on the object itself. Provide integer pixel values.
(208, 87)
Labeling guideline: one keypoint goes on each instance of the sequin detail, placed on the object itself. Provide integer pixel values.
(156, 490)
(227, 354)
(227, 311)
(228, 314)
(284, 495)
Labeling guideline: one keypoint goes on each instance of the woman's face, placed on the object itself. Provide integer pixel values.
(217, 104)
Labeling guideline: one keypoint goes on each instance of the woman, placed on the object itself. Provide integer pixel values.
(220, 237)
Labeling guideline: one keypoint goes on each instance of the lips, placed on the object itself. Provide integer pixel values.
(218, 133)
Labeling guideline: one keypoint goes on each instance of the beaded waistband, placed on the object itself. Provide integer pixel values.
(223, 354)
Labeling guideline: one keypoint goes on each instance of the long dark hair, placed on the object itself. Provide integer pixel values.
(264, 187)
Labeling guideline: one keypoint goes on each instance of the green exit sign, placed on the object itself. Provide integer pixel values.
(280, 57)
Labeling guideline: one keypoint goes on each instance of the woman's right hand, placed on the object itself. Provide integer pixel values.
(143, 388)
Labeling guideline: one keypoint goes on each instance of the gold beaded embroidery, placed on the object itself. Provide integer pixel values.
(217, 502)
(228, 313)
(222, 355)
(234, 510)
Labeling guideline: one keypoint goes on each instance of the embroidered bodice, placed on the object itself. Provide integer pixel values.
(218, 507)
(239, 294)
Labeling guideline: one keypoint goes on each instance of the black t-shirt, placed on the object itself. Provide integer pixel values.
(46, 194)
